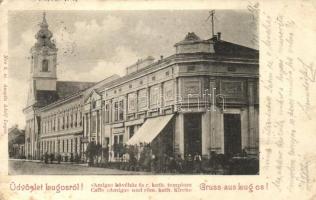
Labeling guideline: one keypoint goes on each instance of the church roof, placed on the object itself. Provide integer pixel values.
(66, 88)
(45, 97)
(63, 90)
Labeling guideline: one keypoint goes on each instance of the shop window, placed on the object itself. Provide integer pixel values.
(131, 131)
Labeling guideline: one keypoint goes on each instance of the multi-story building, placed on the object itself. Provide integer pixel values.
(203, 98)
(45, 116)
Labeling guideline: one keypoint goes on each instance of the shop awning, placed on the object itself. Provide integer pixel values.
(149, 130)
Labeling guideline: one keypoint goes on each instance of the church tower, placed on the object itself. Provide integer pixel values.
(42, 87)
(43, 74)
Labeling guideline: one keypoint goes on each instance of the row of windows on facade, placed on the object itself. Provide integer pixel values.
(118, 111)
(117, 115)
(61, 123)
(118, 108)
(62, 146)
(153, 78)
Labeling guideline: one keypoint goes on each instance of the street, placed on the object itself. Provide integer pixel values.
(22, 167)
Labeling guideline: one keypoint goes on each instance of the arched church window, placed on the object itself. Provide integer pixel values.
(45, 65)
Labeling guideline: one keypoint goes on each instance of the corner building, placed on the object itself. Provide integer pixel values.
(203, 98)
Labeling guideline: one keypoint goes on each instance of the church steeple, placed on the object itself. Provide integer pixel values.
(44, 35)
(43, 75)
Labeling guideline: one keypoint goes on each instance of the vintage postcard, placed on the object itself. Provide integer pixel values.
(157, 99)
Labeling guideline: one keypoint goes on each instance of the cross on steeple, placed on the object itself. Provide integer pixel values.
(44, 22)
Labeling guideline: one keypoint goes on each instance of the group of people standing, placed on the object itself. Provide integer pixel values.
(176, 164)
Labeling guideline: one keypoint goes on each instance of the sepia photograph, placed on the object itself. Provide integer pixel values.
(133, 92)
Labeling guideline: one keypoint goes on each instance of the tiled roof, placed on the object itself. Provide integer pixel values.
(222, 47)
(44, 97)
(63, 89)
(66, 88)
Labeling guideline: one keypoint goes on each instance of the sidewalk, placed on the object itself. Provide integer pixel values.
(55, 162)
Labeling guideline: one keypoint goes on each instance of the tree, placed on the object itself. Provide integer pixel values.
(91, 152)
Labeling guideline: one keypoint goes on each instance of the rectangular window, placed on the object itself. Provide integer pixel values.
(76, 117)
(154, 96)
(45, 65)
(71, 120)
(98, 122)
(76, 143)
(63, 123)
(87, 125)
(107, 141)
(80, 119)
(115, 139)
(71, 145)
(115, 111)
(121, 110)
(190, 68)
(93, 123)
(67, 122)
(54, 123)
(120, 139)
(107, 113)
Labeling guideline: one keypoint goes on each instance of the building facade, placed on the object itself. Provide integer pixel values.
(204, 98)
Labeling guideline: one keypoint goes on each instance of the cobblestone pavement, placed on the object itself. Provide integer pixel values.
(23, 167)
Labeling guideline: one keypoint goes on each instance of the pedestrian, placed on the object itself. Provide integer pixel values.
(153, 163)
(51, 158)
(165, 164)
(189, 163)
(58, 158)
(46, 157)
(179, 163)
(197, 162)
(244, 152)
(172, 165)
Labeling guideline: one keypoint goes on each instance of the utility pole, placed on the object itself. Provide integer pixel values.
(212, 13)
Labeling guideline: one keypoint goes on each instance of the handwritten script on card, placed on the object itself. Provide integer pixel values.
(287, 83)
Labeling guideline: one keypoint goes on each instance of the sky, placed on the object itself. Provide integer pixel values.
(95, 44)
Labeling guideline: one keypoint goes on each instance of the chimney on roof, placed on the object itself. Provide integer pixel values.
(219, 35)
(161, 57)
